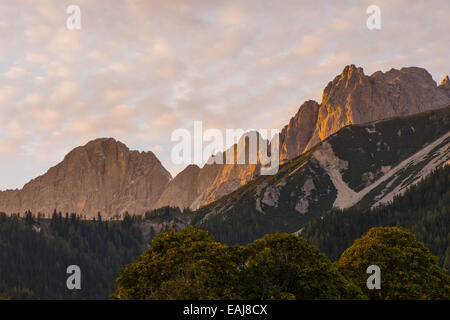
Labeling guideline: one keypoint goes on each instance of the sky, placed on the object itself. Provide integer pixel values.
(138, 70)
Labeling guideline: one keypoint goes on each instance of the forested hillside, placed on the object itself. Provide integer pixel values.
(35, 254)
(424, 210)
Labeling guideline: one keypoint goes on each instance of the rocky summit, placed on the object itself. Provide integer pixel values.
(354, 98)
(102, 176)
(194, 186)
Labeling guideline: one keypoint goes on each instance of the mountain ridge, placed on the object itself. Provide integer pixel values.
(371, 159)
(95, 177)
(350, 98)
(353, 97)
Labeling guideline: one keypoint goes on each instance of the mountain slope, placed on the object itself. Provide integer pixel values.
(102, 176)
(424, 209)
(194, 186)
(351, 98)
(360, 164)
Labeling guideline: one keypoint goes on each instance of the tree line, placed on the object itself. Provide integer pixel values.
(424, 209)
(35, 253)
(188, 264)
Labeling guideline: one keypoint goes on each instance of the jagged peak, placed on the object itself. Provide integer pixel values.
(395, 74)
(351, 69)
(351, 73)
(411, 69)
(418, 71)
(105, 140)
(97, 144)
(307, 104)
(108, 147)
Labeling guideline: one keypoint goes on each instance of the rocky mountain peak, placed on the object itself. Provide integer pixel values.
(292, 142)
(101, 147)
(101, 176)
(350, 77)
(194, 186)
(351, 71)
(353, 97)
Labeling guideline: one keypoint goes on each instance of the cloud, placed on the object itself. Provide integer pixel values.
(139, 69)
(66, 91)
(7, 93)
(16, 129)
(35, 58)
(46, 119)
(34, 99)
(37, 33)
(15, 73)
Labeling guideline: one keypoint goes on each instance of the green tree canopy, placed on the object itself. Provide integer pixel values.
(181, 265)
(285, 266)
(408, 269)
(189, 265)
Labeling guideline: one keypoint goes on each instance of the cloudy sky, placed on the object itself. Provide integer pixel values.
(139, 69)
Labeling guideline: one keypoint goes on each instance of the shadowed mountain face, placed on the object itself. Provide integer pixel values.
(102, 176)
(106, 176)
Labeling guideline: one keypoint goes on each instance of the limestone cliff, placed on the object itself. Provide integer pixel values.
(353, 98)
(102, 176)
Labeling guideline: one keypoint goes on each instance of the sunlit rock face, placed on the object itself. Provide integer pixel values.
(353, 98)
(102, 176)
(194, 186)
(445, 86)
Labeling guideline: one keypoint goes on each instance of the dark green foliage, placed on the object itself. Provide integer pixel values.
(35, 253)
(408, 269)
(424, 210)
(284, 266)
(189, 265)
(169, 215)
(181, 265)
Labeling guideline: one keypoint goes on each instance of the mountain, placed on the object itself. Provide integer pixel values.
(102, 176)
(351, 98)
(424, 209)
(194, 186)
(364, 165)
(106, 176)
